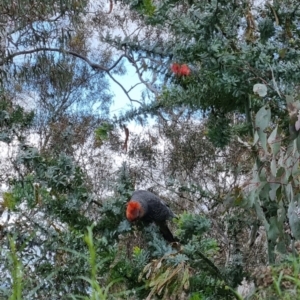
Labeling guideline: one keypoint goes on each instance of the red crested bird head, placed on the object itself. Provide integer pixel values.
(134, 210)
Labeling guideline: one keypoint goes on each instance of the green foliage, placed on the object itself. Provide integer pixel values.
(125, 185)
(46, 7)
(166, 280)
(102, 133)
(225, 68)
(140, 257)
(273, 191)
(16, 271)
(218, 130)
(266, 29)
(241, 66)
(190, 225)
(9, 200)
(155, 267)
(55, 185)
(14, 120)
(185, 270)
(96, 292)
(280, 281)
(241, 69)
(145, 7)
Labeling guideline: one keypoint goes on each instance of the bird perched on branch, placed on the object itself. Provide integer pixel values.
(147, 207)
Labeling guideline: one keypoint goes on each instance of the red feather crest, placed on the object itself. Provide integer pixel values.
(133, 210)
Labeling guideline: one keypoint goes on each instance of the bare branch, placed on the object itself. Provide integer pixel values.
(134, 86)
(145, 82)
(73, 53)
(121, 86)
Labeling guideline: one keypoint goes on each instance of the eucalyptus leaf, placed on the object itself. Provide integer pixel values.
(263, 118)
(273, 167)
(262, 121)
(273, 190)
(294, 220)
(260, 214)
(273, 142)
(274, 230)
(256, 138)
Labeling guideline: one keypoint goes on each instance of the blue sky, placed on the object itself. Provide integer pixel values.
(121, 102)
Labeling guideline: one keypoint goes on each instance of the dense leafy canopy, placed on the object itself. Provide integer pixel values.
(222, 148)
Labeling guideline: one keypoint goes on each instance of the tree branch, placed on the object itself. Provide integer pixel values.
(121, 86)
(73, 53)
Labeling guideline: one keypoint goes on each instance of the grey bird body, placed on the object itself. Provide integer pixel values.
(153, 209)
